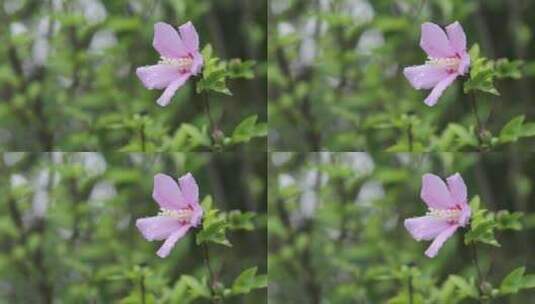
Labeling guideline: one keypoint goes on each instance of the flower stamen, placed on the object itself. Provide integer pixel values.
(448, 63)
(184, 64)
(448, 214)
(182, 215)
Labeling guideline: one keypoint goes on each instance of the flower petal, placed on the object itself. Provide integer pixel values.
(457, 189)
(198, 62)
(166, 192)
(167, 41)
(435, 193)
(189, 188)
(157, 227)
(170, 91)
(457, 37)
(425, 227)
(189, 36)
(464, 65)
(425, 76)
(435, 42)
(439, 89)
(439, 241)
(157, 76)
(170, 242)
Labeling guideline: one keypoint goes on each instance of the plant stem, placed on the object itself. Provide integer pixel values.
(142, 288)
(479, 125)
(475, 259)
(210, 273)
(419, 8)
(208, 111)
(410, 137)
(142, 136)
(411, 289)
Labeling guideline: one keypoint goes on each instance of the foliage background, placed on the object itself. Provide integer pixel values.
(336, 83)
(67, 74)
(336, 230)
(68, 235)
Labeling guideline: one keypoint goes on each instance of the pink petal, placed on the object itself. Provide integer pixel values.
(157, 76)
(435, 193)
(198, 63)
(466, 213)
(464, 65)
(171, 241)
(189, 188)
(197, 215)
(435, 42)
(425, 227)
(167, 41)
(166, 192)
(439, 89)
(439, 241)
(457, 189)
(157, 227)
(425, 76)
(189, 36)
(170, 91)
(457, 37)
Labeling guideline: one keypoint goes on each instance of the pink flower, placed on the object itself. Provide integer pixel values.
(448, 210)
(179, 211)
(180, 59)
(448, 59)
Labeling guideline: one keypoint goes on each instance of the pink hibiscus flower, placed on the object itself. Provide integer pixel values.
(179, 211)
(448, 210)
(448, 59)
(180, 59)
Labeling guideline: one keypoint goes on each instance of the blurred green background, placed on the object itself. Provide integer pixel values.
(336, 82)
(336, 230)
(67, 74)
(68, 235)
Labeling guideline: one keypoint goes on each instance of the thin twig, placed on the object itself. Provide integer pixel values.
(142, 136)
(411, 289)
(208, 111)
(211, 274)
(419, 8)
(142, 288)
(479, 125)
(475, 259)
(410, 136)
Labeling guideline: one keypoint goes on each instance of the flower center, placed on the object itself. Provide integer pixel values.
(448, 214)
(182, 215)
(448, 63)
(184, 64)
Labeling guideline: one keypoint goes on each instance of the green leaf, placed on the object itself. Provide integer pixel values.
(196, 288)
(512, 283)
(509, 69)
(248, 280)
(466, 288)
(249, 129)
(214, 74)
(214, 225)
(509, 221)
(483, 72)
(528, 281)
(239, 220)
(482, 225)
(512, 131)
